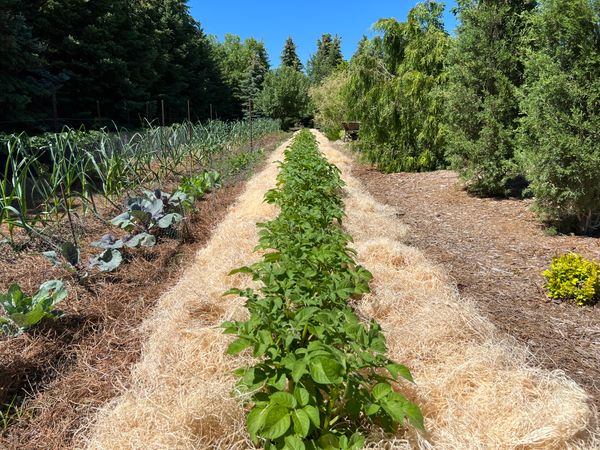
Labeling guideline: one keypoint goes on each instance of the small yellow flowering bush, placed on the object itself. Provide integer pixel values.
(572, 277)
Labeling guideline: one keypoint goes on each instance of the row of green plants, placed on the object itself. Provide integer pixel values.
(44, 177)
(146, 216)
(322, 379)
(147, 219)
(510, 101)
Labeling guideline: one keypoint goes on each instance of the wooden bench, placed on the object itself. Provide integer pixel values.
(351, 130)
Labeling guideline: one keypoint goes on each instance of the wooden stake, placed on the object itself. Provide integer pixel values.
(251, 134)
(55, 112)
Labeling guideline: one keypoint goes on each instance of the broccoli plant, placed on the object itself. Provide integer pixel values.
(197, 186)
(23, 312)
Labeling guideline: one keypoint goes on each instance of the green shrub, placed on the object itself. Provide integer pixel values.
(572, 277)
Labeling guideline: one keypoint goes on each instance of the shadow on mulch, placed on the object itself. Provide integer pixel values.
(496, 251)
(62, 371)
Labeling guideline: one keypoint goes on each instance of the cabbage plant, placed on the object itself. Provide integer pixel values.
(23, 311)
(153, 210)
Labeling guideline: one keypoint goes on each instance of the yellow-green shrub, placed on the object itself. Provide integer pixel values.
(572, 277)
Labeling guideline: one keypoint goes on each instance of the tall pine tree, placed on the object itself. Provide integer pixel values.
(86, 43)
(289, 57)
(22, 74)
(327, 58)
(251, 86)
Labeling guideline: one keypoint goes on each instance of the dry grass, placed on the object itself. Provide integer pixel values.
(475, 386)
(181, 390)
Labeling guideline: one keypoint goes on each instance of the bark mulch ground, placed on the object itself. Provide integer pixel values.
(496, 251)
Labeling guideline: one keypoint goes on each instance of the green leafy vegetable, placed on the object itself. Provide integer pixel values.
(23, 312)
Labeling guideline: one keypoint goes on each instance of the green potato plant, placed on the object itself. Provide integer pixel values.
(322, 377)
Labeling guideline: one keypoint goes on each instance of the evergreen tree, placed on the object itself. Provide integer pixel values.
(187, 67)
(289, 57)
(485, 73)
(86, 44)
(251, 85)
(326, 59)
(560, 125)
(362, 45)
(22, 76)
(396, 83)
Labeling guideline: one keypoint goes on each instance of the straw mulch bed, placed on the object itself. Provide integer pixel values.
(476, 385)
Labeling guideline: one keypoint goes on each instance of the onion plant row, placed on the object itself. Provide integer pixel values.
(322, 379)
(43, 177)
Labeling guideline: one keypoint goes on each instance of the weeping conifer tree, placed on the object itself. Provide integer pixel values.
(395, 83)
(482, 103)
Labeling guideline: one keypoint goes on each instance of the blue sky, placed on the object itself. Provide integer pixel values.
(305, 21)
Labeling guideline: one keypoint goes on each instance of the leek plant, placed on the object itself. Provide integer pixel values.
(44, 177)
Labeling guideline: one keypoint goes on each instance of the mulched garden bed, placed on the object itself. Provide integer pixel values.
(496, 251)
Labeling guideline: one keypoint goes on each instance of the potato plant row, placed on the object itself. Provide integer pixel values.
(322, 379)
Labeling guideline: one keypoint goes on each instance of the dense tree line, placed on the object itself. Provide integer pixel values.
(115, 59)
(512, 99)
(123, 61)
